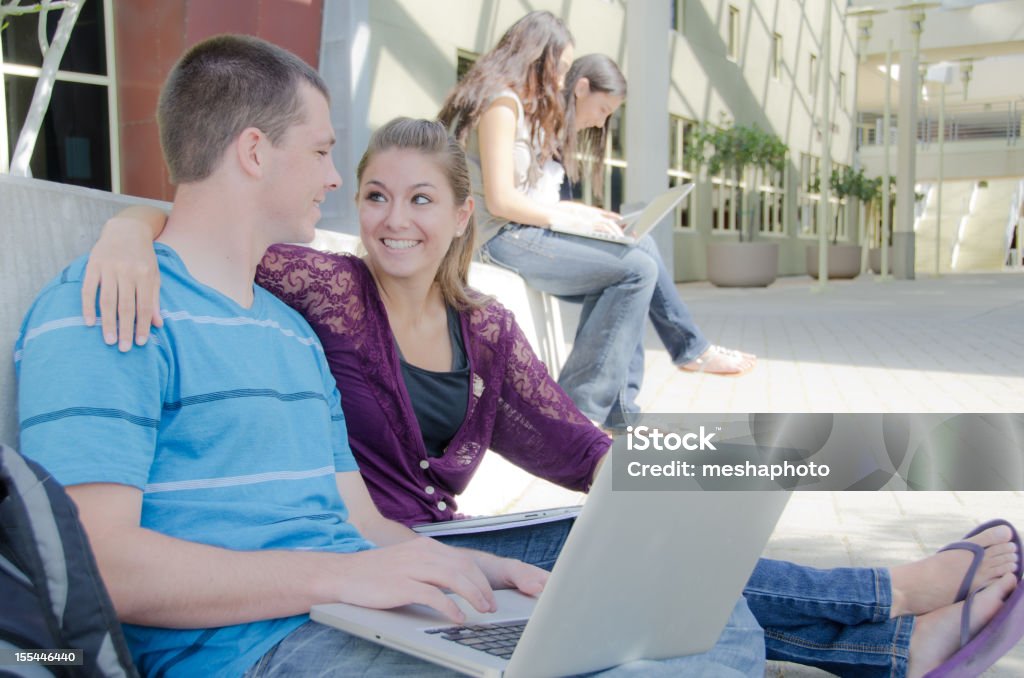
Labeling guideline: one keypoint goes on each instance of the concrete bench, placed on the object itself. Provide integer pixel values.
(536, 313)
(44, 226)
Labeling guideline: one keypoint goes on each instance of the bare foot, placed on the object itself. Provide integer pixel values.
(931, 583)
(723, 361)
(936, 635)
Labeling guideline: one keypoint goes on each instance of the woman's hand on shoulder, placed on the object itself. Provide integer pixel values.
(122, 266)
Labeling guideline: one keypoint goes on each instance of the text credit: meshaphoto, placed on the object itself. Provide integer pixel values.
(654, 458)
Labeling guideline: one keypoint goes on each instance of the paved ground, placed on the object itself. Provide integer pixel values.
(953, 344)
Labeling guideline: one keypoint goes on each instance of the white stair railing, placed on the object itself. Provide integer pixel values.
(1014, 223)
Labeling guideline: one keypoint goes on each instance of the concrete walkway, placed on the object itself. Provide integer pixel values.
(953, 344)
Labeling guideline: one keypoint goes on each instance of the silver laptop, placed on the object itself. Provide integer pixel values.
(635, 225)
(643, 575)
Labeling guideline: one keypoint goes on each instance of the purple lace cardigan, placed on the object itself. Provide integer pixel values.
(515, 408)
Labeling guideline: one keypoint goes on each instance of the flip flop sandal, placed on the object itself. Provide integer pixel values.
(994, 640)
(714, 354)
(979, 553)
(1001, 633)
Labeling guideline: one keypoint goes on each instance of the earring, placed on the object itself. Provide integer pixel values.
(458, 234)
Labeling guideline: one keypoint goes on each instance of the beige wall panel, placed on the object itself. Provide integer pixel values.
(414, 44)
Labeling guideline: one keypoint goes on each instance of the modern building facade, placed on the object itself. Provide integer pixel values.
(767, 63)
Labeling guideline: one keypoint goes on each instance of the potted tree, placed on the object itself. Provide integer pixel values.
(843, 258)
(744, 153)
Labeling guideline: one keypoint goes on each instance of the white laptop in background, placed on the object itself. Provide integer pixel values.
(643, 575)
(635, 225)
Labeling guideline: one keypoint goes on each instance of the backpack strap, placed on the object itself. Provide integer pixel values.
(42, 539)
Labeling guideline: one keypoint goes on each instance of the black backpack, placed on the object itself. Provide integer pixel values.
(51, 594)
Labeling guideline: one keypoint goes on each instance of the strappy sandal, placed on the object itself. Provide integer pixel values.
(996, 638)
(978, 554)
(722, 361)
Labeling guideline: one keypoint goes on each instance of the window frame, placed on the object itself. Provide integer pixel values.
(808, 201)
(464, 55)
(614, 161)
(777, 56)
(732, 42)
(109, 81)
(772, 197)
(680, 128)
(679, 16)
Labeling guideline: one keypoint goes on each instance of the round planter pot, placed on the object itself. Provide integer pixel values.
(875, 260)
(843, 261)
(743, 264)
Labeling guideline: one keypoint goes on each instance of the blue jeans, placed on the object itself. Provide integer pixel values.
(837, 620)
(317, 650)
(618, 286)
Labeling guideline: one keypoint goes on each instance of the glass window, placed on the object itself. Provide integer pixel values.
(615, 185)
(726, 204)
(77, 139)
(733, 36)
(73, 144)
(812, 74)
(772, 194)
(614, 166)
(809, 194)
(680, 168)
(777, 56)
(842, 90)
(617, 134)
(464, 61)
(615, 161)
(678, 10)
(86, 51)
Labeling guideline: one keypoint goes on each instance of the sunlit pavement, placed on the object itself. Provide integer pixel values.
(946, 345)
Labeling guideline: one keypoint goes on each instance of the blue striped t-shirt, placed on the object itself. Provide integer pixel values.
(228, 420)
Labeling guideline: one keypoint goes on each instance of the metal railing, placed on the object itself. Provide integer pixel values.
(963, 122)
(1014, 229)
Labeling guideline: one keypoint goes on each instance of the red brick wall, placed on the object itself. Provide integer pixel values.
(150, 35)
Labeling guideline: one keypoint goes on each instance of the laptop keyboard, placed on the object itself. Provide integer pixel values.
(498, 639)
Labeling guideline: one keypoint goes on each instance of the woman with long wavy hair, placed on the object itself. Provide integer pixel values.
(510, 114)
